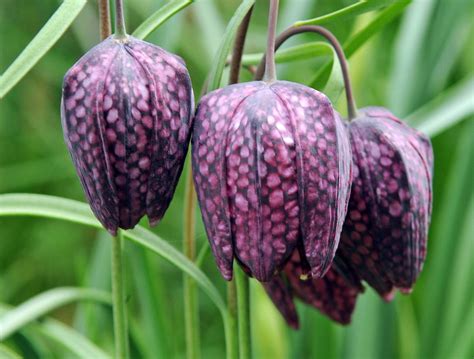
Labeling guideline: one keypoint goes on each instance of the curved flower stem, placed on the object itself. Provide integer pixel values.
(120, 31)
(270, 70)
(104, 19)
(118, 299)
(243, 310)
(291, 31)
(191, 315)
(233, 343)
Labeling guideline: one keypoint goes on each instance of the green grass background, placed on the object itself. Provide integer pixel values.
(420, 63)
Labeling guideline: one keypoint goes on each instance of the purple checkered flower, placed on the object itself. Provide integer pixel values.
(385, 232)
(126, 114)
(271, 164)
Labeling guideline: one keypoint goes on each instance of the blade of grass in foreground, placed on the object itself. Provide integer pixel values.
(353, 10)
(446, 225)
(43, 303)
(159, 17)
(61, 334)
(42, 42)
(215, 73)
(446, 110)
(355, 42)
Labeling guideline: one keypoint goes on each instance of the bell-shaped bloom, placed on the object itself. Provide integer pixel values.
(271, 164)
(334, 295)
(385, 232)
(126, 114)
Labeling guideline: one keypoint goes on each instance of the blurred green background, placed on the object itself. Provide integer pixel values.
(420, 66)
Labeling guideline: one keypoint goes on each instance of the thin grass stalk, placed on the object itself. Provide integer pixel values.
(104, 19)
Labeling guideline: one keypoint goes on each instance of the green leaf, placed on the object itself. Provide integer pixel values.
(446, 110)
(7, 353)
(217, 68)
(42, 42)
(71, 340)
(358, 8)
(446, 227)
(159, 17)
(335, 84)
(63, 335)
(458, 289)
(43, 303)
(356, 41)
(295, 53)
(73, 211)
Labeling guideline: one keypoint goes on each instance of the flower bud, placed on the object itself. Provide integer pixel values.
(271, 164)
(126, 115)
(385, 231)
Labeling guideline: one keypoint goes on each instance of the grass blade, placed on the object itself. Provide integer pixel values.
(355, 42)
(159, 17)
(446, 225)
(217, 68)
(358, 8)
(446, 110)
(7, 353)
(74, 211)
(295, 53)
(61, 334)
(43, 303)
(42, 42)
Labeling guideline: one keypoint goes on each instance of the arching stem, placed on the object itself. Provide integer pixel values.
(104, 19)
(285, 35)
(270, 68)
(120, 31)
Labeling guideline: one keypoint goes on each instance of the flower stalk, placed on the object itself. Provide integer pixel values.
(191, 315)
(270, 68)
(104, 19)
(118, 299)
(243, 310)
(120, 30)
(292, 31)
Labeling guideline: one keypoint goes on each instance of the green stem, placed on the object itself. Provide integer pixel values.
(270, 68)
(232, 345)
(120, 31)
(118, 299)
(104, 19)
(243, 310)
(191, 315)
(239, 48)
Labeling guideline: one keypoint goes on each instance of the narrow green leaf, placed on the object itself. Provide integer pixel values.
(306, 51)
(407, 327)
(355, 42)
(335, 84)
(445, 228)
(217, 68)
(446, 110)
(61, 334)
(462, 346)
(42, 42)
(7, 353)
(458, 289)
(71, 340)
(74, 211)
(358, 8)
(43, 303)
(159, 17)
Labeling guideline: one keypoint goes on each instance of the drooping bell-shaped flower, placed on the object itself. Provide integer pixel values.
(271, 164)
(126, 115)
(334, 295)
(385, 232)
